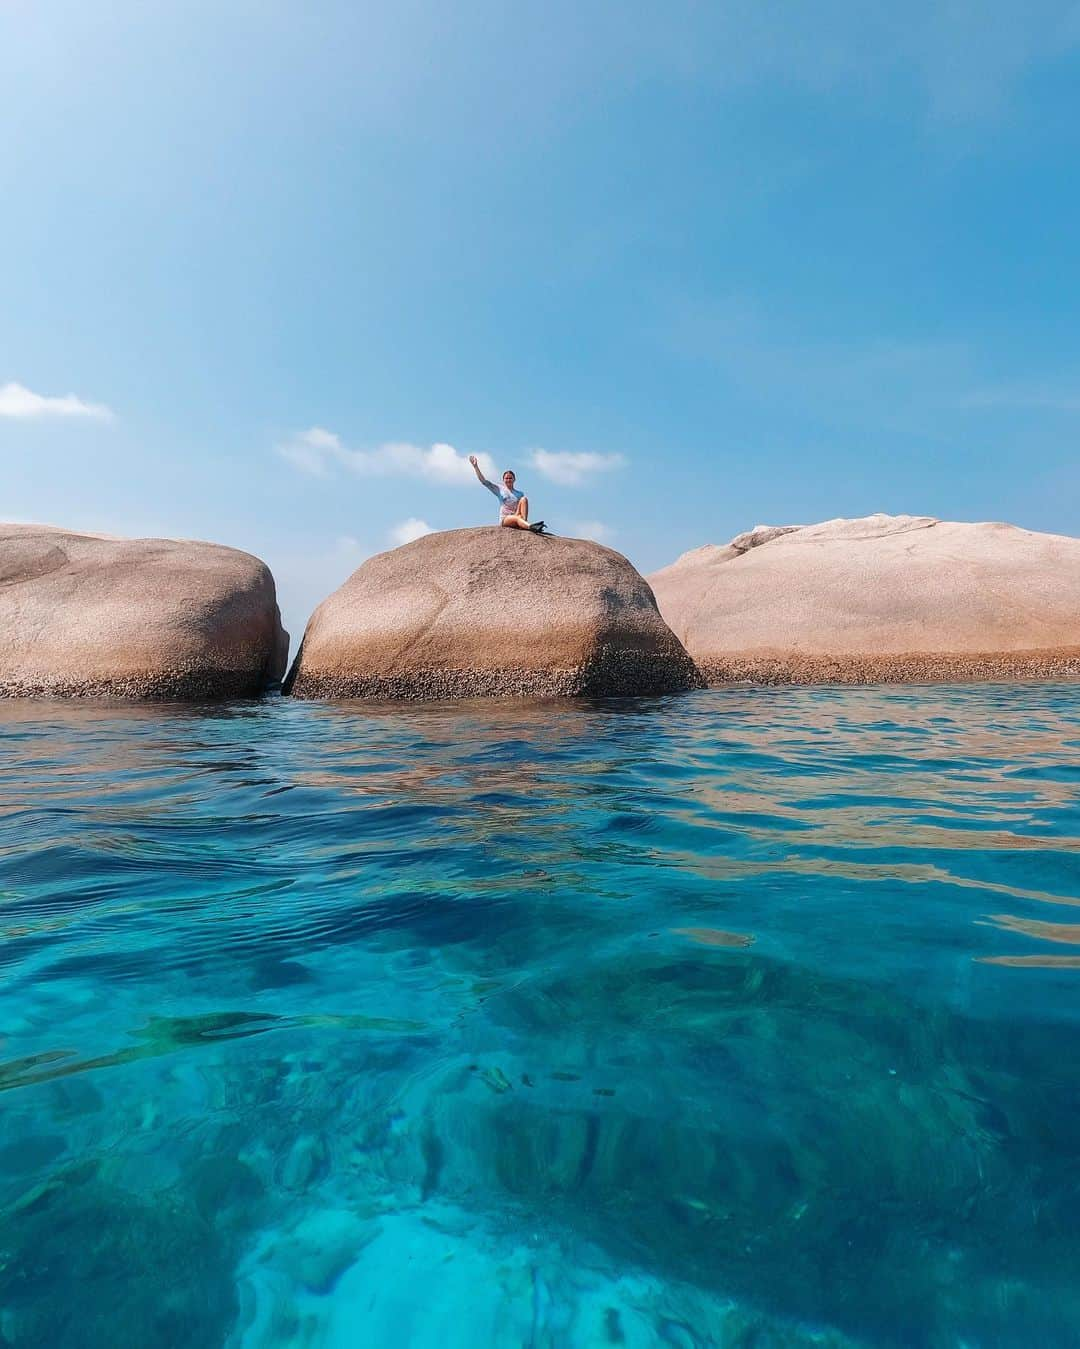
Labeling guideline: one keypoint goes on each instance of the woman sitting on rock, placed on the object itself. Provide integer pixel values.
(513, 505)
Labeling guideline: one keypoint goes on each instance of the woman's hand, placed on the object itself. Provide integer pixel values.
(472, 460)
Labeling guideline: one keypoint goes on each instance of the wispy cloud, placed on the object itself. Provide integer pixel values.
(954, 58)
(595, 530)
(972, 57)
(1041, 397)
(874, 384)
(410, 529)
(961, 60)
(321, 452)
(569, 469)
(20, 402)
(313, 451)
(935, 388)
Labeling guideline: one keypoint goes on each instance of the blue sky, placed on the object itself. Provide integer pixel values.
(686, 268)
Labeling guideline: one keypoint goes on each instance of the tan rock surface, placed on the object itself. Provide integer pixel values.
(878, 599)
(490, 612)
(87, 614)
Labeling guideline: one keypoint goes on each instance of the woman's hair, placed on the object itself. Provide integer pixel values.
(510, 471)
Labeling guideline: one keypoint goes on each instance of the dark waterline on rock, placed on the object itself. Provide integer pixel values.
(743, 1017)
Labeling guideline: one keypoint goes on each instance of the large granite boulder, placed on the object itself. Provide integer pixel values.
(493, 612)
(884, 598)
(86, 614)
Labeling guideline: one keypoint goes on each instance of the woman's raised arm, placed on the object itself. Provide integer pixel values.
(476, 468)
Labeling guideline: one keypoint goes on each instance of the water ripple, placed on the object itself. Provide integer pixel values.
(743, 1017)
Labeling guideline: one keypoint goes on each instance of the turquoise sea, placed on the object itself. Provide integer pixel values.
(748, 1018)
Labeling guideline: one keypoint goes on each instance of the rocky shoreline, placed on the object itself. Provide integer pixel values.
(612, 674)
(490, 613)
(151, 687)
(990, 667)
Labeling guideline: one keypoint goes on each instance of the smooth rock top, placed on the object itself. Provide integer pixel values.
(87, 614)
(490, 612)
(885, 597)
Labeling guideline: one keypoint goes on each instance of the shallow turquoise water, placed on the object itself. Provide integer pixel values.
(747, 1018)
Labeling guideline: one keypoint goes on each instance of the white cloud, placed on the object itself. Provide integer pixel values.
(312, 451)
(319, 439)
(320, 452)
(410, 529)
(439, 463)
(570, 470)
(18, 401)
(595, 530)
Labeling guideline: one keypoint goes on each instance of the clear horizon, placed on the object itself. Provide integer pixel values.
(272, 275)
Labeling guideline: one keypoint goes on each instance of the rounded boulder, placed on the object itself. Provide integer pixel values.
(884, 598)
(89, 615)
(490, 612)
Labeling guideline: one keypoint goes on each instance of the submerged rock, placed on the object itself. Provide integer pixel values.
(85, 614)
(85, 1263)
(817, 1145)
(448, 1276)
(886, 598)
(493, 612)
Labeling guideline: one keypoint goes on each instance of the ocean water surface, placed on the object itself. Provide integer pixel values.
(746, 1018)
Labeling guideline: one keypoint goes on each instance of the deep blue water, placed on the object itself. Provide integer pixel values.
(747, 1018)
